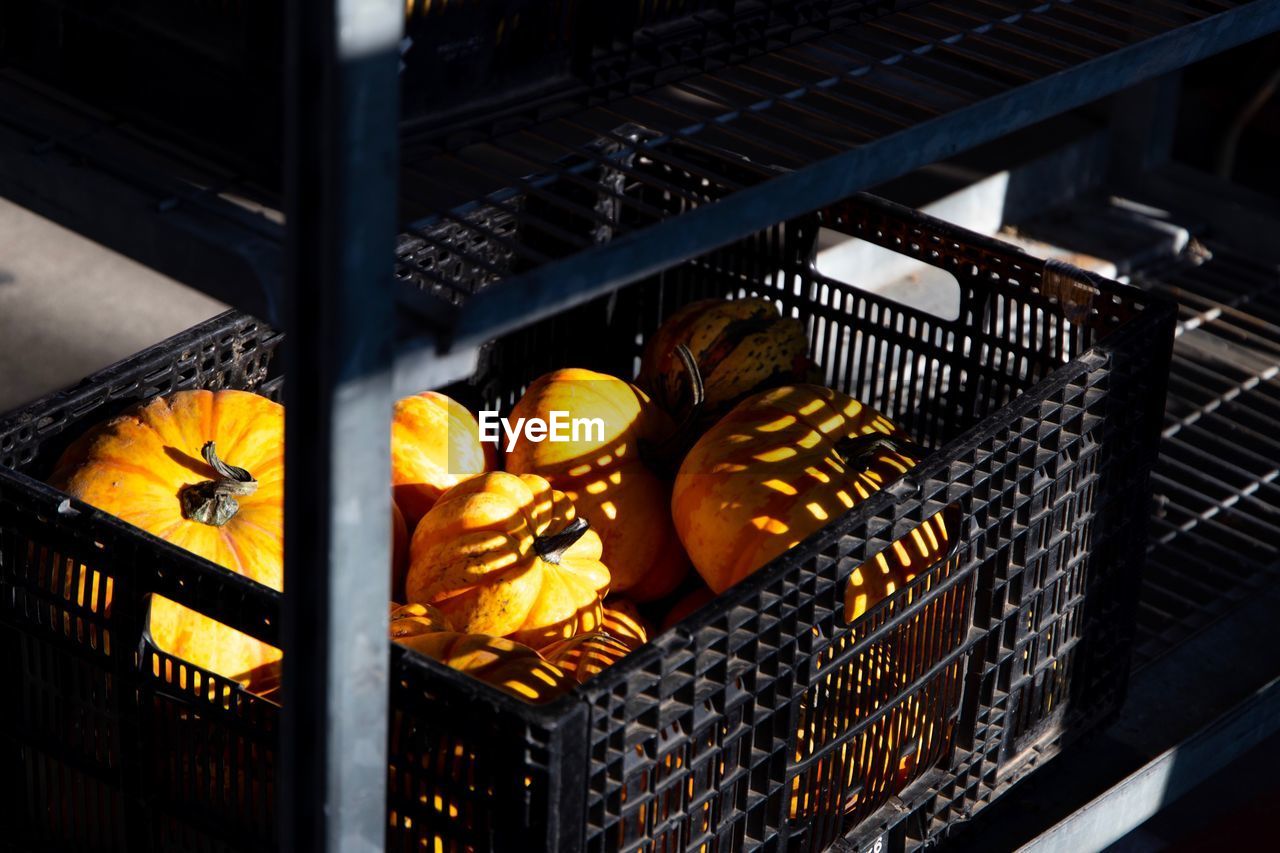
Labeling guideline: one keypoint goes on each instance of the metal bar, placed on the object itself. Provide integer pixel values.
(1187, 716)
(1142, 125)
(1126, 806)
(343, 108)
(633, 256)
(496, 238)
(206, 242)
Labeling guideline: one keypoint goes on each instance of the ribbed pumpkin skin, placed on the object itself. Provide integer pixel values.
(740, 346)
(608, 481)
(435, 444)
(587, 655)
(399, 552)
(623, 622)
(473, 556)
(687, 606)
(768, 475)
(507, 665)
(894, 568)
(136, 465)
(410, 620)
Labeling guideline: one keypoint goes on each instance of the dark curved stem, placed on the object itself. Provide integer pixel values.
(671, 447)
(213, 502)
(856, 450)
(697, 389)
(552, 548)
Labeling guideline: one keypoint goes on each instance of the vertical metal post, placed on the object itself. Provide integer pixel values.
(342, 105)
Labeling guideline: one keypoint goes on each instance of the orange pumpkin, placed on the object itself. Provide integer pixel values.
(507, 665)
(203, 470)
(399, 552)
(777, 468)
(889, 753)
(585, 656)
(895, 567)
(687, 605)
(406, 620)
(861, 768)
(508, 556)
(409, 620)
(921, 734)
(740, 346)
(865, 770)
(623, 622)
(435, 444)
(605, 475)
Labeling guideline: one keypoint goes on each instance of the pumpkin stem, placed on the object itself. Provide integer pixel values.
(697, 388)
(669, 451)
(855, 451)
(213, 502)
(552, 548)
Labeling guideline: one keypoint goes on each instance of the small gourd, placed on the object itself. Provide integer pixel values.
(509, 556)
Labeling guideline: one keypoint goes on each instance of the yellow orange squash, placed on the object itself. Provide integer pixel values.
(399, 552)
(687, 605)
(406, 620)
(777, 468)
(895, 567)
(203, 470)
(409, 620)
(510, 666)
(854, 774)
(508, 556)
(606, 475)
(623, 622)
(863, 767)
(435, 444)
(890, 752)
(587, 655)
(740, 346)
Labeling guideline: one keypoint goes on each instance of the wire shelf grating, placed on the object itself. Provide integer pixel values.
(1216, 533)
(799, 105)
(867, 93)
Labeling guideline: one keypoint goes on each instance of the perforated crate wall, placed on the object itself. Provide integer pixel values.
(109, 756)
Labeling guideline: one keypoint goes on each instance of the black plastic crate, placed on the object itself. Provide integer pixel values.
(208, 73)
(1043, 398)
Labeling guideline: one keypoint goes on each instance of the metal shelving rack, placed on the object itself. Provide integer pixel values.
(1205, 687)
(838, 112)
(842, 111)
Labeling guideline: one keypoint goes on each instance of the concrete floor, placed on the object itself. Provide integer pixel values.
(69, 307)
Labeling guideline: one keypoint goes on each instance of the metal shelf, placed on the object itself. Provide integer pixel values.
(818, 120)
(1206, 682)
(1216, 486)
(839, 113)
(183, 217)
